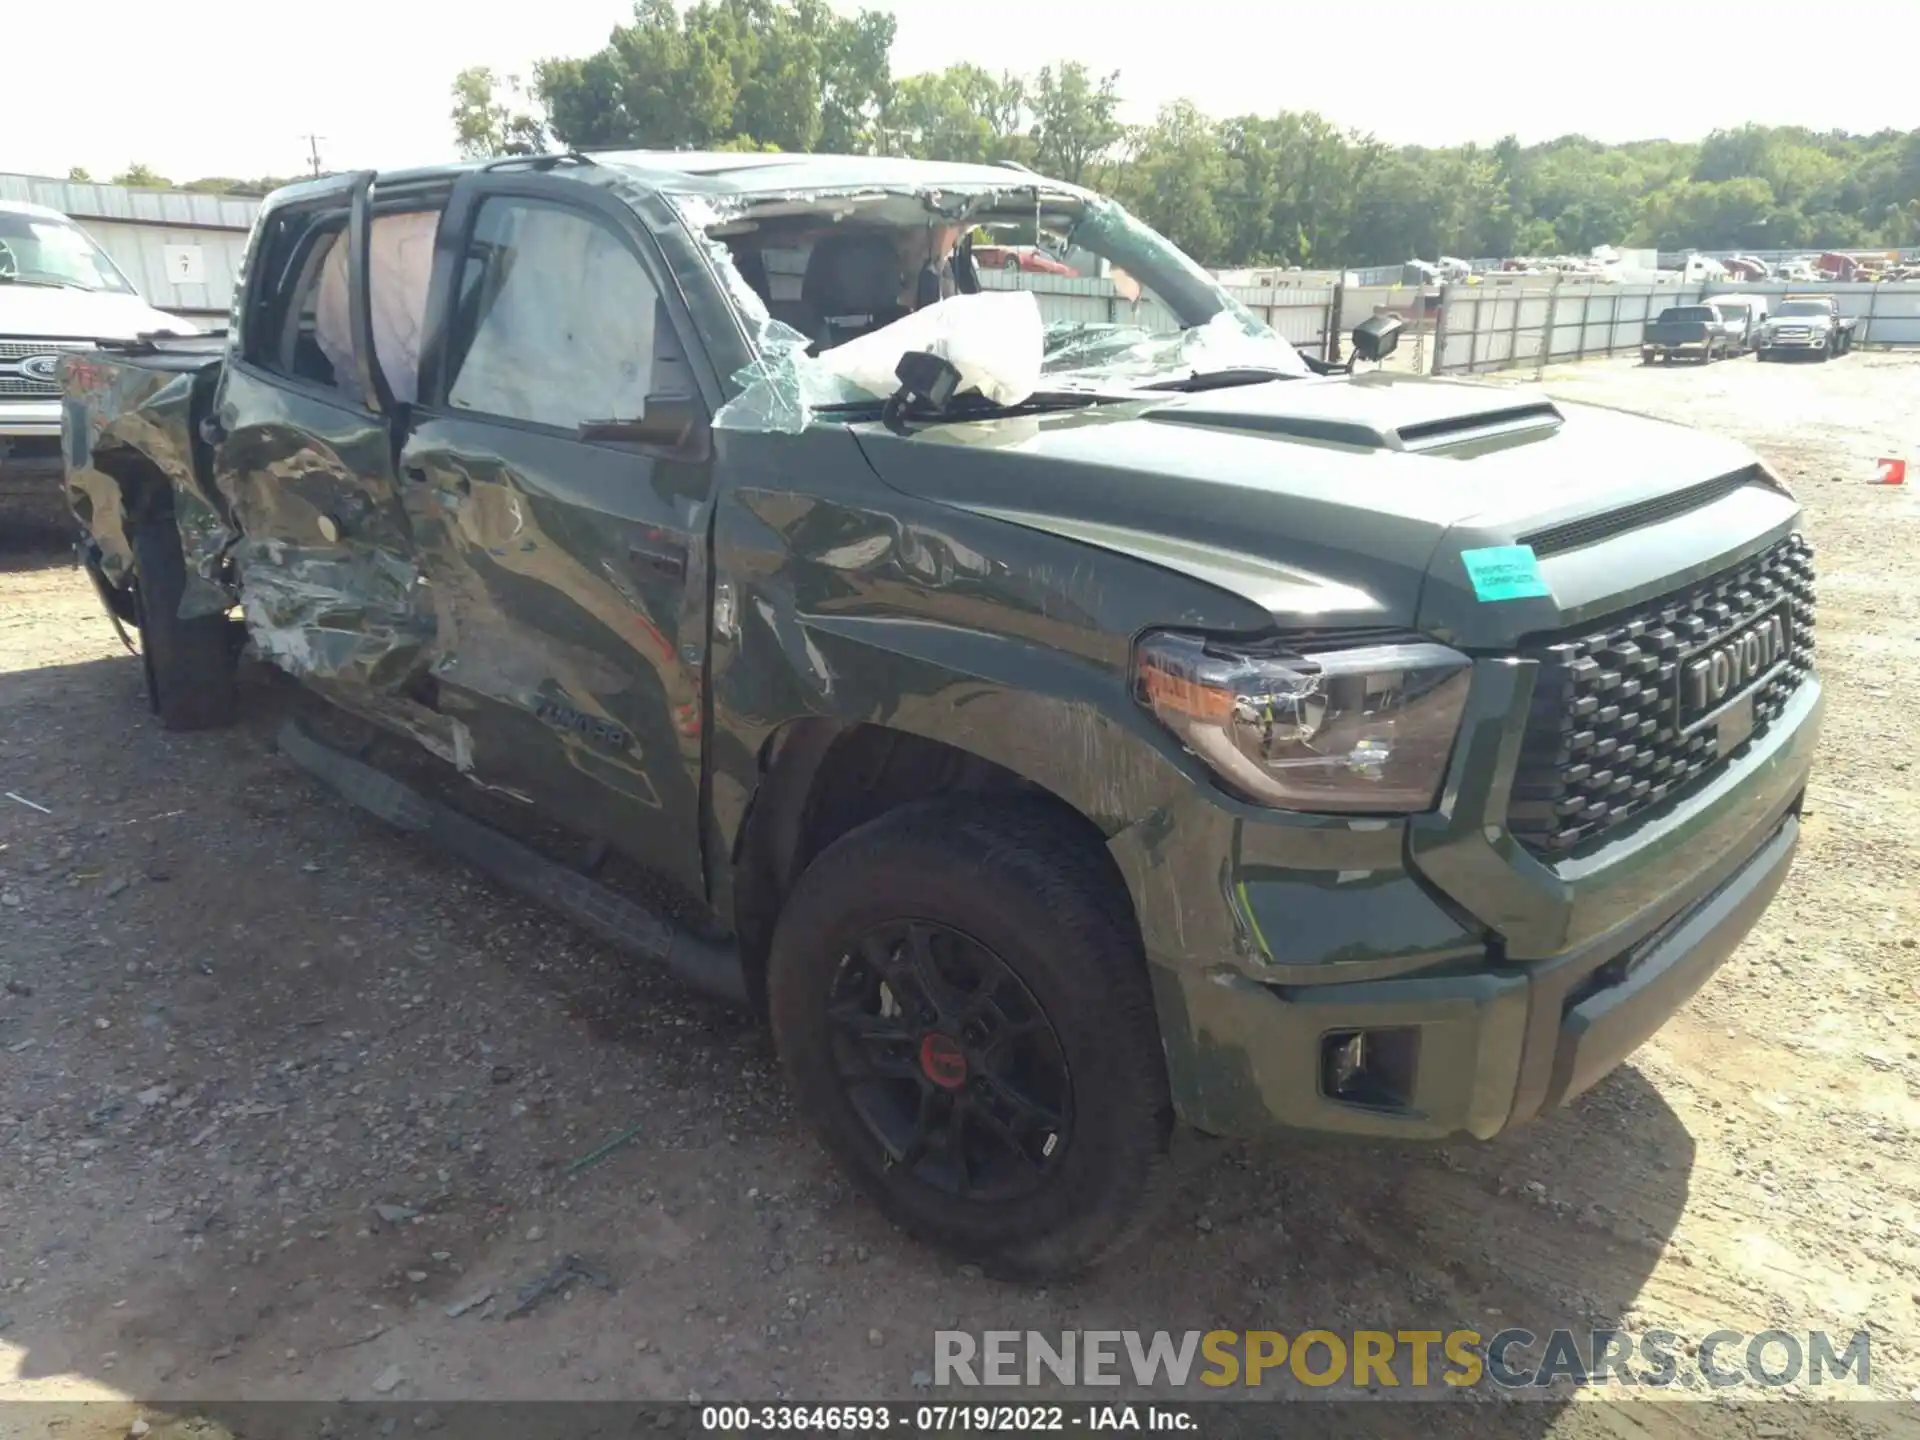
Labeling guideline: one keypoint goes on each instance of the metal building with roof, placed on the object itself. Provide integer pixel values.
(180, 249)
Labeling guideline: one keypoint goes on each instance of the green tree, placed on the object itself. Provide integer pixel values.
(856, 74)
(253, 189)
(794, 74)
(142, 177)
(1715, 214)
(1074, 119)
(961, 113)
(1286, 187)
(78, 174)
(1296, 184)
(1176, 179)
(492, 116)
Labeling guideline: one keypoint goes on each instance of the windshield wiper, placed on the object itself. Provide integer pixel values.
(1222, 379)
(978, 407)
(40, 284)
(928, 393)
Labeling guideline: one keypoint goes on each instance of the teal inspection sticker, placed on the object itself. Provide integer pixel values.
(1505, 572)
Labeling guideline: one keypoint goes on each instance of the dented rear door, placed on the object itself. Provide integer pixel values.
(568, 575)
(303, 435)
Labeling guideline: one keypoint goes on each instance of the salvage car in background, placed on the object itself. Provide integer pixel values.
(1746, 314)
(1020, 257)
(1058, 733)
(59, 293)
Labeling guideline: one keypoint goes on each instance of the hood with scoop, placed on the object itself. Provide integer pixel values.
(1350, 501)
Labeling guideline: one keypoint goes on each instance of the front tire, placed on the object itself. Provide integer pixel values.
(189, 663)
(962, 1008)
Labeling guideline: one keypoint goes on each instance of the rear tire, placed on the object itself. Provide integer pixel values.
(862, 1021)
(190, 663)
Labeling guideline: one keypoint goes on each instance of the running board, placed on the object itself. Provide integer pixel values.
(704, 964)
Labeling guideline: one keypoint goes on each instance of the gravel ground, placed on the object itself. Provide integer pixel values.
(292, 1107)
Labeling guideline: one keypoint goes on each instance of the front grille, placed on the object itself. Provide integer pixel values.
(1576, 534)
(1605, 740)
(15, 383)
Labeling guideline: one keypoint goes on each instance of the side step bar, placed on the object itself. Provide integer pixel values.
(605, 913)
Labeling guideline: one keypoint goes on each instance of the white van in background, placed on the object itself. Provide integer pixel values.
(1750, 310)
(58, 293)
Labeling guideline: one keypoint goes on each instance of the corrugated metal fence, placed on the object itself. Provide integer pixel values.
(1301, 315)
(1486, 328)
(1497, 328)
(1889, 313)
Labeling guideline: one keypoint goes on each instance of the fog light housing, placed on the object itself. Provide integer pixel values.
(1373, 1068)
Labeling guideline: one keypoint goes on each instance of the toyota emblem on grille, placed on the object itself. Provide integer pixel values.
(1732, 664)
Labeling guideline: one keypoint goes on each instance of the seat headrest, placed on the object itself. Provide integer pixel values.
(856, 273)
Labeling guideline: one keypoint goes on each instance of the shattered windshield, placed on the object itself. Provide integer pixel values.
(1119, 307)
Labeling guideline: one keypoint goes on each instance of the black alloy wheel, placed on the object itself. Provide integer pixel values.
(960, 1000)
(950, 1062)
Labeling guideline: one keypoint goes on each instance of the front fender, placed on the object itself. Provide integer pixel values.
(861, 605)
(1063, 723)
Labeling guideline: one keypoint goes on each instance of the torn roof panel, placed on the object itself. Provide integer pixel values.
(747, 173)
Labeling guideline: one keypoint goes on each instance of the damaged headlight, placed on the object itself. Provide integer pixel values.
(1368, 728)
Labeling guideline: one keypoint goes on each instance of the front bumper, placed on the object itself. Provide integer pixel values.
(1508, 985)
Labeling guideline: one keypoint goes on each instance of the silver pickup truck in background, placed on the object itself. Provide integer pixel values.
(1806, 325)
(59, 293)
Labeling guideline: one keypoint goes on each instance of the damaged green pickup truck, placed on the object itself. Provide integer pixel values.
(1059, 728)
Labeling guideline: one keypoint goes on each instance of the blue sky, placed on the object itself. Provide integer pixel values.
(371, 76)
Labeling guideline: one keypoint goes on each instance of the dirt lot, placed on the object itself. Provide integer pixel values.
(280, 1090)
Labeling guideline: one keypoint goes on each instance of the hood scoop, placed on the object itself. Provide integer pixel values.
(1361, 413)
(1485, 425)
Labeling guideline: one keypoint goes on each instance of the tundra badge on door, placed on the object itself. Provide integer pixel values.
(563, 716)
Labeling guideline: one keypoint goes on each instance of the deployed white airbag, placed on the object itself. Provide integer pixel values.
(400, 261)
(994, 339)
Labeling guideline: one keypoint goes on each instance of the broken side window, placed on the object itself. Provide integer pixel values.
(400, 263)
(301, 326)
